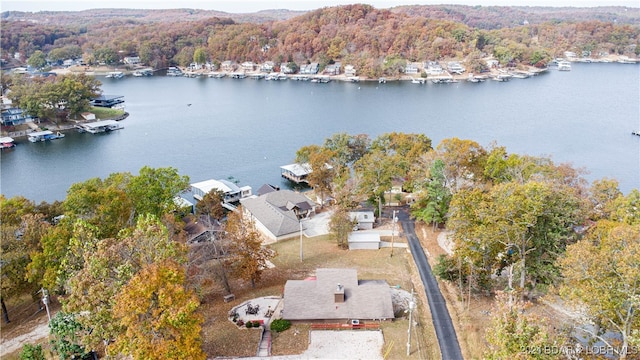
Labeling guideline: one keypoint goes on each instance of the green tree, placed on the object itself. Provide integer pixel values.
(32, 352)
(154, 189)
(432, 204)
(341, 226)
(66, 332)
(106, 55)
(200, 56)
(602, 275)
(249, 258)
(375, 171)
(159, 314)
(37, 60)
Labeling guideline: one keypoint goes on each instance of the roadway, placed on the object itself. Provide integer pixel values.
(445, 332)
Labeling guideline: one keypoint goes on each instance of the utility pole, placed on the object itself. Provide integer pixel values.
(412, 305)
(301, 255)
(394, 219)
(45, 301)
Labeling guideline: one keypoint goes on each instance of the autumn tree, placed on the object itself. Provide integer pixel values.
(322, 172)
(432, 204)
(463, 162)
(211, 205)
(249, 258)
(159, 315)
(106, 266)
(515, 333)
(601, 275)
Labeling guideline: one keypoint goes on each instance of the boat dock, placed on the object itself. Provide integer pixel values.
(44, 136)
(6, 142)
(99, 126)
(296, 173)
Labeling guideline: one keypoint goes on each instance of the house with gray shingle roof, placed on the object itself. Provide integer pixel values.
(336, 295)
(277, 214)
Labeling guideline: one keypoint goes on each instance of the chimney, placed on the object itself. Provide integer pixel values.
(339, 294)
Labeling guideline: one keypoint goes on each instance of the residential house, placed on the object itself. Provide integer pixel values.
(349, 70)
(277, 214)
(309, 69)
(332, 69)
(15, 116)
(248, 66)
(455, 67)
(285, 69)
(363, 219)
(412, 68)
(110, 101)
(433, 68)
(131, 60)
(267, 66)
(336, 295)
(232, 193)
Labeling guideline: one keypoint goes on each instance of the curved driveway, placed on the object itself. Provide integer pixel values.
(447, 339)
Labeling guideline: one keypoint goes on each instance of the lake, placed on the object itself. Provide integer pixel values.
(247, 129)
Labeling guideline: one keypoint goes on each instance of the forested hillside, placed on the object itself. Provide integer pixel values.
(376, 41)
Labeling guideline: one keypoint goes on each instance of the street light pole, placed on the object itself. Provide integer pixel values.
(412, 304)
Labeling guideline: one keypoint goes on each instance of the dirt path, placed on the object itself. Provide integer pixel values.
(40, 331)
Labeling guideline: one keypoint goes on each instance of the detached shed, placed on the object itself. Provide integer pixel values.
(364, 241)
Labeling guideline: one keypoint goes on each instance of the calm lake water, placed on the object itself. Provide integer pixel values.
(247, 128)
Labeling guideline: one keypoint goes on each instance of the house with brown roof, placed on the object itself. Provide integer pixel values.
(336, 295)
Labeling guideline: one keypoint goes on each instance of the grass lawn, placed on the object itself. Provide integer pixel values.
(222, 338)
(105, 113)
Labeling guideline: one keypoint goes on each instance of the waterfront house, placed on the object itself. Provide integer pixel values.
(411, 68)
(363, 220)
(276, 214)
(433, 68)
(332, 69)
(131, 60)
(285, 69)
(455, 67)
(336, 295)
(267, 66)
(248, 66)
(309, 69)
(349, 70)
(15, 116)
(110, 101)
(232, 192)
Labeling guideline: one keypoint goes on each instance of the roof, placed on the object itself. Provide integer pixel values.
(274, 210)
(362, 216)
(98, 124)
(107, 97)
(6, 139)
(314, 299)
(40, 133)
(222, 185)
(298, 169)
(267, 188)
(364, 237)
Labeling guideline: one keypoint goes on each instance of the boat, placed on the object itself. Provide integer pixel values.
(382, 80)
(115, 75)
(637, 133)
(475, 79)
(564, 66)
(216, 75)
(443, 80)
(6, 143)
(502, 77)
(44, 136)
(137, 73)
(417, 81)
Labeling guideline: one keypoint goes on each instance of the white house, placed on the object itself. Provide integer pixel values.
(232, 193)
(131, 60)
(349, 70)
(363, 219)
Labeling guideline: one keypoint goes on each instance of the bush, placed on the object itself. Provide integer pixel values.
(31, 352)
(249, 324)
(280, 325)
(240, 323)
(256, 323)
(445, 268)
